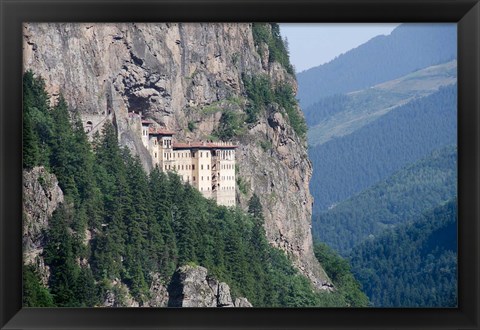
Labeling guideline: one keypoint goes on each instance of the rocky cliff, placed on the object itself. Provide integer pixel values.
(184, 77)
(191, 286)
(41, 196)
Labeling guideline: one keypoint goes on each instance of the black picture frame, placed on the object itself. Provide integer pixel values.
(464, 12)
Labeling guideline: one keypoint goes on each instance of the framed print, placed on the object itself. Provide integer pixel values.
(162, 154)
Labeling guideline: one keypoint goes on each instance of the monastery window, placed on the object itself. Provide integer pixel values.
(188, 178)
(207, 154)
(182, 167)
(174, 167)
(201, 154)
(193, 178)
(208, 167)
(155, 142)
(155, 155)
(89, 126)
(165, 167)
(208, 178)
(202, 178)
(201, 167)
(193, 167)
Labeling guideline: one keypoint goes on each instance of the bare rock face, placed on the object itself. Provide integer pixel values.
(41, 196)
(183, 77)
(242, 302)
(158, 292)
(119, 296)
(224, 299)
(192, 287)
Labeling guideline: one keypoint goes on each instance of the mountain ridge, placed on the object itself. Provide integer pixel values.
(408, 48)
(356, 109)
(413, 189)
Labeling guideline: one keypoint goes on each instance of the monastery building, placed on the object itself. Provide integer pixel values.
(208, 166)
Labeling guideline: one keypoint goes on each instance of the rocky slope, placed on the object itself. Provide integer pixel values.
(183, 77)
(41, 196)
(192, 287)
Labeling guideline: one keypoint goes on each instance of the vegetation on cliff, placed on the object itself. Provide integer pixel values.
(348, 289)
(119, 223)
(262, 96)
(269, 34)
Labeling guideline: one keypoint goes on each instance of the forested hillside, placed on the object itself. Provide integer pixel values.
(340, 115)
(340, 272)
(119, 224)
(408, 48)
(402, 197)
(350, 164)
(414, 265)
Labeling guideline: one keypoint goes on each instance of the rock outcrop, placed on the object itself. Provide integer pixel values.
(191, 286)
(183, 77)
(119, 296)
(41, 196)
(158, 293)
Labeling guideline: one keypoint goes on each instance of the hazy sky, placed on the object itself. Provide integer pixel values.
(312, 44)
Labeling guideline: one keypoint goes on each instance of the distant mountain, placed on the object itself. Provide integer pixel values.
(340, 115)
(414, 265)
(347, 165)
(402, 197)
(408, 48)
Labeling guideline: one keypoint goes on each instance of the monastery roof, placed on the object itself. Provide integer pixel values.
(146, 122)
(204, 145)
(159, 131)
(133, 115)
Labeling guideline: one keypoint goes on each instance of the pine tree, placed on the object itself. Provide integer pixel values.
(60, 257)
(34, 293)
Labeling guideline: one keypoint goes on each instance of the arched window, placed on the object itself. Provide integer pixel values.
(89, 126)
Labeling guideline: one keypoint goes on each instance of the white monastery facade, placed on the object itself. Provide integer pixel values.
(207, 166)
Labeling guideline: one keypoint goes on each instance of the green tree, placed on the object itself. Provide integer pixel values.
(34, 293)
(60, 257)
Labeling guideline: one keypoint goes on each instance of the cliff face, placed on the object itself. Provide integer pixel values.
(41, 196)
(183, 77)
(192, 287)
